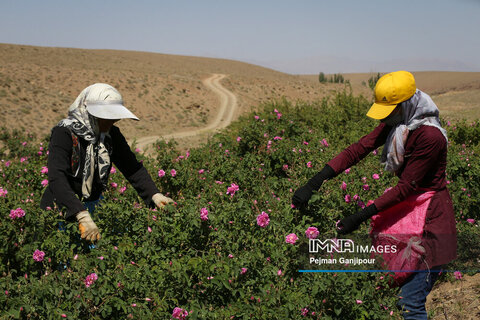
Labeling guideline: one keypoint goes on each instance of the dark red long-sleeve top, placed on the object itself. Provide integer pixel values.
(423, 169)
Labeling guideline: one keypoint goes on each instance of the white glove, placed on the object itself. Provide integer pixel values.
(88, 228)
(160, 200)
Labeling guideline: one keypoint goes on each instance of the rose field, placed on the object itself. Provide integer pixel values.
(229, 248)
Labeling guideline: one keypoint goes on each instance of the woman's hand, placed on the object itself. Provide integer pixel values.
(88, 228)
(351, 223)
(160, 200)
(304, 193)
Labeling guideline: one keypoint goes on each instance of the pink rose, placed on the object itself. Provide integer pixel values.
(472, 221)
(3, 192)
(17, 213)
(90, 279)
(311, 232)
(38, 255)
(375, 176)
(44, 183)
(232, 189)
(161, 173)
(304, 312)
(263, 219)
(113, 170)
(44, 170)
(179, 313)
(173, 172)
(291, 238)
(244, 270)
(458, 275)
(348, 198)
(343, 186)
(204, 214)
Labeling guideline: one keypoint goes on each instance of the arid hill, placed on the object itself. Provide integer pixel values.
(38, 84)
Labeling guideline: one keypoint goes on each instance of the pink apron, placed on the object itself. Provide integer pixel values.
(402, 225)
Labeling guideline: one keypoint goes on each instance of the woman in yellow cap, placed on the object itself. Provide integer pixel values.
(81, 152)
(417, 214)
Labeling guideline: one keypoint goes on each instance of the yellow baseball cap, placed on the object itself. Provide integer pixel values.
(391, 89)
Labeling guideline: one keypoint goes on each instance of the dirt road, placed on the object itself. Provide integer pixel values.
(228, 105)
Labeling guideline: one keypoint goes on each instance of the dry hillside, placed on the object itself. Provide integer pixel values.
(38, 84)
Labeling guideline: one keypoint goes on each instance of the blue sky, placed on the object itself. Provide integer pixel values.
(303, 36)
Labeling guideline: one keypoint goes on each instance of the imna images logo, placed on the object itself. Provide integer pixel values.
(347, 245)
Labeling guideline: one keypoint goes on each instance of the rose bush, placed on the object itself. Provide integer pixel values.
(229, 248)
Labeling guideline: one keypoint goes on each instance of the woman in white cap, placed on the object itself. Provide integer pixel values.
(81, 152)
(417, 214)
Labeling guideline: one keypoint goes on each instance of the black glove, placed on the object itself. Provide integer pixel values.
(304, 193)
(351, 223)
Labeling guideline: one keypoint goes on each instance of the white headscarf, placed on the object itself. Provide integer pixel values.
(417, 111)
(84, 125)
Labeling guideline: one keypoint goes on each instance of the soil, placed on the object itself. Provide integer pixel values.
(225, 114)
(455, 300)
